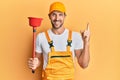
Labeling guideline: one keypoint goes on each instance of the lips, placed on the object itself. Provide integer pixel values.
(56, 23)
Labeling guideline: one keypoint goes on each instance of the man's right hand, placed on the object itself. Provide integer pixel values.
(33, 63)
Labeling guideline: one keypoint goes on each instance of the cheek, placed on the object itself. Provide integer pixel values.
(62, 19)
(52, 19)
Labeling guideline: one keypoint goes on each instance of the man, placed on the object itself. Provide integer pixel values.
(59, 46)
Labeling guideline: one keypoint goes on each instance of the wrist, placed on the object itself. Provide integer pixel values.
(86, 43)
(38, 63)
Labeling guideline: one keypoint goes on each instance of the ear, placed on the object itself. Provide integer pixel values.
(49, 16)
(65, 14)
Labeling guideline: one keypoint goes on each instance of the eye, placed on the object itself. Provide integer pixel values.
(61, 14)
(53, 14)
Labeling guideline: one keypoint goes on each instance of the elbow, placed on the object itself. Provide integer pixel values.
(83, 65)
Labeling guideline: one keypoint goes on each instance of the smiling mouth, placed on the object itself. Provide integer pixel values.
(57, 22)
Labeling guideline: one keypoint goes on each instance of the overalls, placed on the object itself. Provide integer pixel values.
(60, 64)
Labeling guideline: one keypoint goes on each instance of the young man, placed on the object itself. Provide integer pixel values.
(59, 46)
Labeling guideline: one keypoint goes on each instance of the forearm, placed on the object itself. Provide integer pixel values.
(39, 56)
(85, 56)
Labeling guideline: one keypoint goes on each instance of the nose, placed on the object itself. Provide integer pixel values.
(56, 17)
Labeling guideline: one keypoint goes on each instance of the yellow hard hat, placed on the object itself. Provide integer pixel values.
(58, 6)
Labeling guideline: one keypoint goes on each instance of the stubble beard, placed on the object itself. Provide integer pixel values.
(56, 27)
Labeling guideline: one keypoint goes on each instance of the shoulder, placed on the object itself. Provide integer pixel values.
(41, 36)
(76, 34)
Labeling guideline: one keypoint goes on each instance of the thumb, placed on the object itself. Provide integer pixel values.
(82, 33)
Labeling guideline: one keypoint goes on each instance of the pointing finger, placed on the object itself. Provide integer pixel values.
(88, 26)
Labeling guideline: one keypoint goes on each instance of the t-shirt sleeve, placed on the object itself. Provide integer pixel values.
(38, 43)
(77, 41)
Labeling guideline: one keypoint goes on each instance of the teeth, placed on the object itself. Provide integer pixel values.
(56, 22)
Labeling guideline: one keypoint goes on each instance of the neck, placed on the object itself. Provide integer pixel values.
(58, 31)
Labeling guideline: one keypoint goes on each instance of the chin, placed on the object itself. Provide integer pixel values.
(57, 27)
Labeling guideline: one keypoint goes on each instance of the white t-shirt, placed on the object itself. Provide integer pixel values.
(59, 42)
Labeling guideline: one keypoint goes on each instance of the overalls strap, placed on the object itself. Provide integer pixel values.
(50, 42)
(69, 41)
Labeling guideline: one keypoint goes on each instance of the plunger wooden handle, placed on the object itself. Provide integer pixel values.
(34, 44)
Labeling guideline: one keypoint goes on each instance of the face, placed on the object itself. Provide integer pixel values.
(57, 19)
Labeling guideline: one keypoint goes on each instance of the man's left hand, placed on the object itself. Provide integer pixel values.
(86, 34)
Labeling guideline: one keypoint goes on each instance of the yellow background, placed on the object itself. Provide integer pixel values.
(16, 36)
